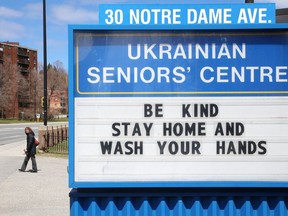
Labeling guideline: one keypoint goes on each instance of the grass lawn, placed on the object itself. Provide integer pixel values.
(15, 121)
(12, 121)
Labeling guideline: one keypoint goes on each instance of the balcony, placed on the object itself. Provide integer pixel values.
(23, 52)
(23, 70)
(23, 61)
(1, 55)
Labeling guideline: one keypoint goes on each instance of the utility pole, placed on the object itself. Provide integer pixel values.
(45, 62)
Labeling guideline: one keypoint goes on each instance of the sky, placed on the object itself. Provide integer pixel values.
(22, 21)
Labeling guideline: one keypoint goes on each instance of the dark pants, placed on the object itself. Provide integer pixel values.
(25, 162)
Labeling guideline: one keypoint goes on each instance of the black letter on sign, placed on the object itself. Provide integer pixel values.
(116, 129)
(185, 110)
(148, 110)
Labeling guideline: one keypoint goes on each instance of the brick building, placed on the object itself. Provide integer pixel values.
(18, 77)
(58, 103)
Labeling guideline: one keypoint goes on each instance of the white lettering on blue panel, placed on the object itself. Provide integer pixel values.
(187, 14)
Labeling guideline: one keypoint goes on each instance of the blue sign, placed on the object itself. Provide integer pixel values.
(164, 62)
(186, 14)
(157, 89)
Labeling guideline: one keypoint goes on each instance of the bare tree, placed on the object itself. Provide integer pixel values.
(3, 96)
(8, 88)
(24, 94)
(56, 81)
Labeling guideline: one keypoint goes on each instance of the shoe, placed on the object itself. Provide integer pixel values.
(33, 171)
(20, 170)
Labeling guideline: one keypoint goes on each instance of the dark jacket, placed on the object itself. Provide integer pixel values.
(31, 147)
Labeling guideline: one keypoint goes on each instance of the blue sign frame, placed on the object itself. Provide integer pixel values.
(73, 93)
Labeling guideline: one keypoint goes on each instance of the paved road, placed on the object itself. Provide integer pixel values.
(32, 194)
(12, 136)
(10, 133)
(48, 188)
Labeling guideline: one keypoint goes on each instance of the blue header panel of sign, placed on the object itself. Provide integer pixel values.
(186, 14)
(164, 62)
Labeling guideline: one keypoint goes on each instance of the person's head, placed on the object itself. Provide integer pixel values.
(28, 130)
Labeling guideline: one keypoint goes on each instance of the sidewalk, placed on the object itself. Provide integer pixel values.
(33, 194)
